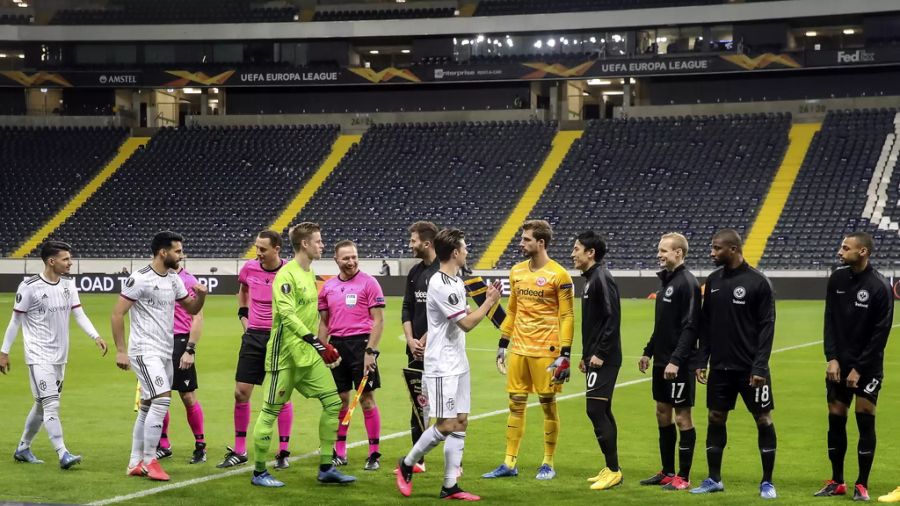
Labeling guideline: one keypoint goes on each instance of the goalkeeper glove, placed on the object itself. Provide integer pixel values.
(560, 366)
(501, 355)
(328, 352)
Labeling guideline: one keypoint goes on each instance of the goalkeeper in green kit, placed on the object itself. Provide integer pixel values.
(296, 359)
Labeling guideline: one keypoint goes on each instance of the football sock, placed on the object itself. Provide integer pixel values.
(551, 428)
(686, 452)
(164, 435)
(52, 423)
(716, 439)
(667, 440)
(195, 420)
(837, 445)
(241, 423)
(328, 424)
(430, 438)
(768, 442)
(515, 428)
(605, 430)
(285, 421)
(262, 434)
(153, 426)
(865, 450)
(373, 428)
(33, 423)
(340, 447)
(137, 436)
(453, 452)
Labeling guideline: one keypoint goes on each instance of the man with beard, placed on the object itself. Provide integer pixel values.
(535, 344)
(859, 312)
(415, 319)
(152, 293)
(736, 335)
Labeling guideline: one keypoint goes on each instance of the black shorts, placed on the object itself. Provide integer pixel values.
(678, 392)
(349, 374)
(600, 382)
(183, 380)
(867, 387)
(724, 387)
(251, 366)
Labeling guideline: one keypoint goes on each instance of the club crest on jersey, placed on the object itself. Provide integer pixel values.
(66, 292)
(286, 288)
(18, 298)
(671, 289)
(450, 404)
(862, 296)
(541, 281)
(158, 381)
(739, 292)
(350, 299)
(453, 299)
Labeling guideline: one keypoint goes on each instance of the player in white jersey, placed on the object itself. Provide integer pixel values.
(42, 308)
(151, 294)
(446, 374)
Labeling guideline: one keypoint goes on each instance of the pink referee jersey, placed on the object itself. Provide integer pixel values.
(259, 282)
(348, 303)
(183, 318)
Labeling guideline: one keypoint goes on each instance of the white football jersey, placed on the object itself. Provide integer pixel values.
(153, 313)
(46, 308)
(445, 348)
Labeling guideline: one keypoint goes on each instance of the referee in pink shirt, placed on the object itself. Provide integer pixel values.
(351, 306)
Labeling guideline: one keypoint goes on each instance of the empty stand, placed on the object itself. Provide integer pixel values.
(132, 12)
(830, 195)
(633, 180)
(507, 7)
(42, 168)
(216, 186)
(464, 175)
(405, 13)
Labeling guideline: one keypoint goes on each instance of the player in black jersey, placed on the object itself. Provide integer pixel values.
(415, 321)
(859, 312)
(672, 347)
(736, 334)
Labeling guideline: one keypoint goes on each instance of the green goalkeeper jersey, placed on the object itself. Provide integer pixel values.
(295, 313)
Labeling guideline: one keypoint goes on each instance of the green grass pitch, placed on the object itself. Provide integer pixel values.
(97, 414)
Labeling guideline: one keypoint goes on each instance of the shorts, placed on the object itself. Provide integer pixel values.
(678, 392)
(46, 379)
(723, 388)
(349, 374)
(526, 375)
(867, 387)
(311, 381)
(183, 380)
(251, 366)
(153, 373)
(600, 382)
(448, 396)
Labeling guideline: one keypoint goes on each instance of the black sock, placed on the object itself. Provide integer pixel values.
(865, 450)
(686, 452)
(414, 429)
(605, 430)
(716, 439)
(767, 442)
(257, 473)
(837, 445)
(668, 436)
(325, 467)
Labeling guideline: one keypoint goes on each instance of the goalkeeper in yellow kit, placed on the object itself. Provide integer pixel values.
(535, 344)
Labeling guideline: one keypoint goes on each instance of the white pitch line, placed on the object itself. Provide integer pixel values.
(395, 435)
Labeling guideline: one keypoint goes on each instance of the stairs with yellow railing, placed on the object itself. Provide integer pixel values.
(800, 137)
(561, 144)
(127, 148)
(340, 148)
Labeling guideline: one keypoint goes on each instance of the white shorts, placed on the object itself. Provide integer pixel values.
(46, 379)
(448, 396)
(153, 373)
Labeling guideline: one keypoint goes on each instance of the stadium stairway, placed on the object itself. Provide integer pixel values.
(800, 138)
(561, 144)
(127, 148)
(341, 146)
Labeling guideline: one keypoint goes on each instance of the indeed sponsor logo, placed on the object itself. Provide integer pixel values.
(858, 56)
(529, 292)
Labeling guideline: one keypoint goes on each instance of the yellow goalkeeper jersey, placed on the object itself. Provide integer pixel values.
(540, 318)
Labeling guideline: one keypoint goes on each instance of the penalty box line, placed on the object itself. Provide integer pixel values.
(249, 467)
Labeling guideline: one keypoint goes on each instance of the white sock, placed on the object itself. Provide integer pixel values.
(429, 439)
(137, 437)
(33, 423)
(53, 425)
(153, 427)
(453, 452)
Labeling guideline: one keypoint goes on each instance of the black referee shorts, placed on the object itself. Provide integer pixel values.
(183, 380)
(349, 374)
(251, 366)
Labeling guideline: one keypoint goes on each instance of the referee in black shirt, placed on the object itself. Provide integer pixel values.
(736, 333)
(859, 312)
(672, 347)
(415, 321)
(601, 350)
